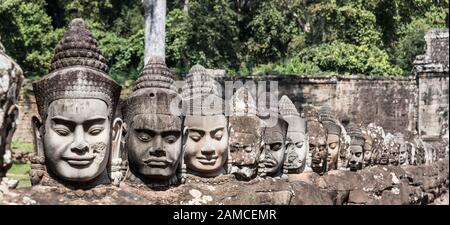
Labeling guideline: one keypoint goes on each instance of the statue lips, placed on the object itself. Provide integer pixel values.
(207, 160)
(157, 162)
(79, 161)
(270, 162)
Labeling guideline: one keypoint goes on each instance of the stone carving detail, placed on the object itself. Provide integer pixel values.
(76, 102)
(333, 136)
(205, 133)
(11, 77)
(317, 137)
(356, 147)
(296, 140)
(245, 135)
(154, 129)
(272, 160)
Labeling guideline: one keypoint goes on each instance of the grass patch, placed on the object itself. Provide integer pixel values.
(20, 172)
(18, 145)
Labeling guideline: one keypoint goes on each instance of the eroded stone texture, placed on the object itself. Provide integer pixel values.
(76, 101)
(374, 185)
(317, 137)
(11, 77)
(246, 131)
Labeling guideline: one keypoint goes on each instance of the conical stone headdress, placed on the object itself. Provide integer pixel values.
(244, 119)
(154, 92)
(78, 71)
(201, 93)
(356, 135)
(329, 122)
(289, 113)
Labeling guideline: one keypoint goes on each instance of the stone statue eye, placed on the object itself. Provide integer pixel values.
(171, 139)
(275, 146)
(299, 144)
(332, 145)
(62, 131)
(144, 137)
(95, 130)
(195, 137)
(218, 134)
(358, 154)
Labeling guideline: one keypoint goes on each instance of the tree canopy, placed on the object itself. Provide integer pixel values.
(307, 37)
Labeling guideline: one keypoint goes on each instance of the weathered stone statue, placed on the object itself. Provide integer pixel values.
(205, 125)
(273, 157)
(76, 102)
(11, 77)
(380, 153)
(296, 141)
(333, 136)
(317, 138)
(154, 129)
(368, 149)
(356, 147)
(393, 145)
(245, 135)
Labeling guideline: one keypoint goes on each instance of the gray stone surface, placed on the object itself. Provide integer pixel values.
(426, 184)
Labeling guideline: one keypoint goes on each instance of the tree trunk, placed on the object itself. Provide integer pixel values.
(155, 28)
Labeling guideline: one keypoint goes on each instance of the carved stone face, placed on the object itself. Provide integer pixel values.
(206, 143)
(77, 138)
(154, 145)
(394, 154)
(383, 157)
(333, 147)
(245, 145)
(356, 158)
(274, 148)
(296, 150)
(403, 158)
(318, 149)
(367, 153)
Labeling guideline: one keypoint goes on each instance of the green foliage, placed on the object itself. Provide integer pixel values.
(412, 42)
(345, 23)
(350, 59)
(28, 35)
(373, 37)
(19, 145)
(289, 66)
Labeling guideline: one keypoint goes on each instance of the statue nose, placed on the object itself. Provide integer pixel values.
(208, 148)
(157, 149)
(79, 145)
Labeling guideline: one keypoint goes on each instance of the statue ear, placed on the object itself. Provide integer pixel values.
(116, 156)
(117, 134)
(38, 132)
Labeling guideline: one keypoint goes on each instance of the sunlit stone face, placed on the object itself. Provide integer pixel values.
(333, 147)
(154, 145)
(77, 138)
(296, 150)
(356, 158)
(383, 157)
(206, 144)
